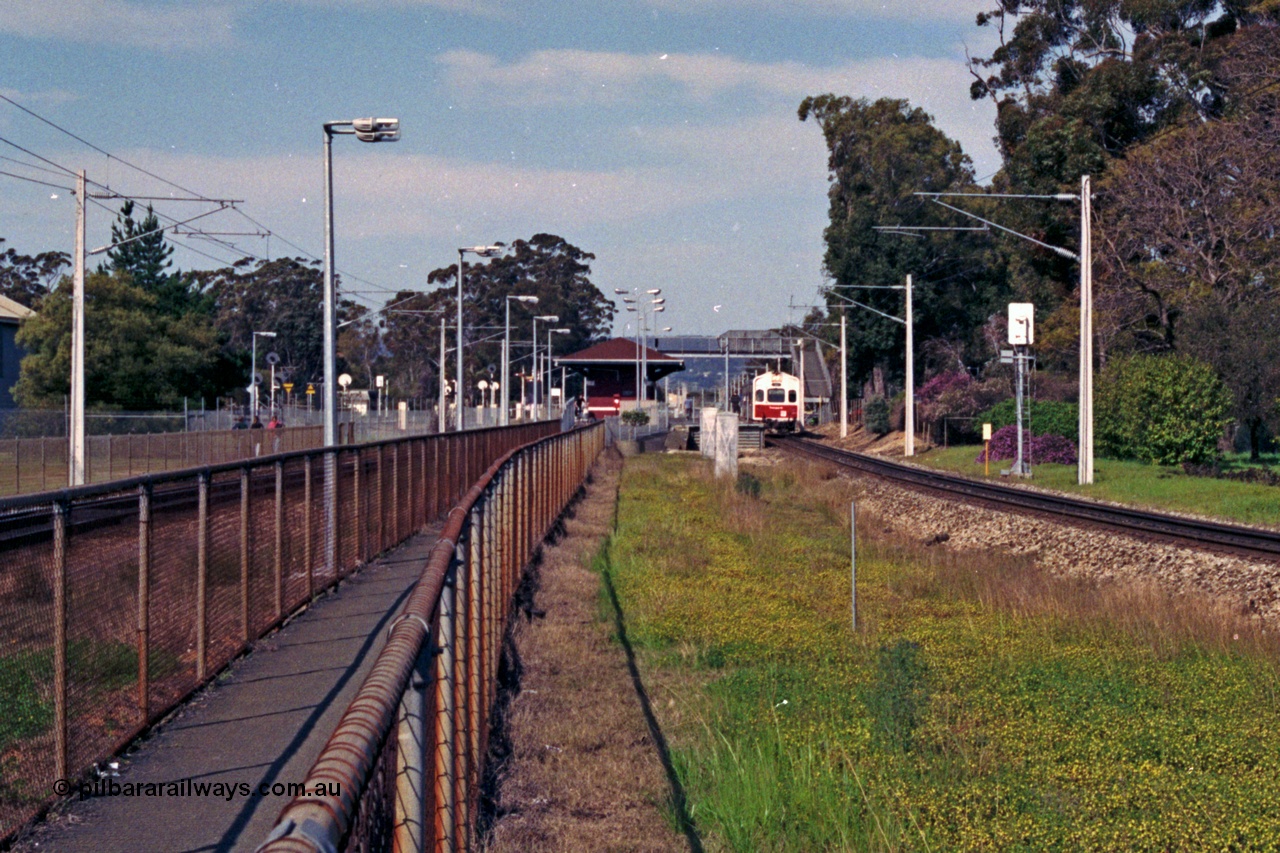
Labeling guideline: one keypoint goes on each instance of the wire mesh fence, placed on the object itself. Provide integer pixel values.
(403, 768)
(119, 599)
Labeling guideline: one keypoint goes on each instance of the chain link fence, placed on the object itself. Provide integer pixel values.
(405, 763)
(117, 600)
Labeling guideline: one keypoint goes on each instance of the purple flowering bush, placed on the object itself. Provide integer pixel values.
(941, 384)
(1040, 448)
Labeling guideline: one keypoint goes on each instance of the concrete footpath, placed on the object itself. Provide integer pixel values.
(263, 721)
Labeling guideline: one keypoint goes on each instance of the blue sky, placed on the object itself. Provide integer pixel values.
(660, 135)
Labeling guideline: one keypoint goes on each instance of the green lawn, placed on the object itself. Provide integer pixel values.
(1153, 486)
(978, 707)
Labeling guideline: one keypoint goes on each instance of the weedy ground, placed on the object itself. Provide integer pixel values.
(979, 705)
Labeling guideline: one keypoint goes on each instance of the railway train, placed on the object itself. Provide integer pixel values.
(775, 401)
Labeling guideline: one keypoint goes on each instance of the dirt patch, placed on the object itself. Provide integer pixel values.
(581, 769)
(861, 441)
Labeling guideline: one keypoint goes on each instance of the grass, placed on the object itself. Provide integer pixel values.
(26, 682)
(981, 704)
(1151, 486)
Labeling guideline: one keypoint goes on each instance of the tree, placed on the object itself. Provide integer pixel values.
(1241, 340)
(1194, 213)
(1077, 84)
(27, 279)
(140, 249)
(135, 357)
(281, 296)
(411, 337)
(546, 266)
(879, 155)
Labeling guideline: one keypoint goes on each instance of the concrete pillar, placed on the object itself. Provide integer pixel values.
(707, 442)
(726, 445)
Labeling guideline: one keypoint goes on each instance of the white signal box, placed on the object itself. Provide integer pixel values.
(1022, 332)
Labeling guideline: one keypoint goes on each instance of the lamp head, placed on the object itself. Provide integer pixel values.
(531, 299)
(376, 129)
(552, 318)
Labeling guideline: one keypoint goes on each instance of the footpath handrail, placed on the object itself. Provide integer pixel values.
(434, 683)
(119, 600)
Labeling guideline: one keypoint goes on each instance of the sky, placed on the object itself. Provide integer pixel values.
(659, 135)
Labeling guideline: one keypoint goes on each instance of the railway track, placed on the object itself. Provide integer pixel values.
(1211, 535)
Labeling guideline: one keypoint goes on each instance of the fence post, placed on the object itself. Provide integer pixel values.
(359, 516)
(395, 493)
(444, 735)
(381, 512)
(308, 547)
(144, 601)
(476, 715)
(245, 555)
(279, 544)
(411, 759)
(202, 574)
(60, 638)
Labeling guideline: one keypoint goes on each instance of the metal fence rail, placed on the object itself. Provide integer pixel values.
(118, 600)
(402, 770)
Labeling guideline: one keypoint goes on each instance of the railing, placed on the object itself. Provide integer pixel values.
(405, 761)
(118, 600)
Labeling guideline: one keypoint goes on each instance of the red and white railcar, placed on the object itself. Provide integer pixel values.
(775, 401)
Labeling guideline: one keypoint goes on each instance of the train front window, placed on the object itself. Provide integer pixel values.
(777, 395)
(791, 396)
(759, 395)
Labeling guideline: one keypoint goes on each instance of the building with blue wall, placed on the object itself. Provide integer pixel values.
(11, 314)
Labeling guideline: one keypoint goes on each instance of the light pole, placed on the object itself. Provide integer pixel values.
(546, 318)
(253, 372)
(505, 418)
(480, 252)
(551, 332)
(365, 130)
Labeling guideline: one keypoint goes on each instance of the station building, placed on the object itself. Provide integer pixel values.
(610, 370)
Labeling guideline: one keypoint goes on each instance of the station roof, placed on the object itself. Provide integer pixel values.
(620, 351)
(13, 311)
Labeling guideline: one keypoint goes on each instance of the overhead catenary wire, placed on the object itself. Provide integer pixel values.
(195, 196)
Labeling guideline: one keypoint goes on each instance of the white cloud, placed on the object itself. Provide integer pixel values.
(585, 78)
(120, 22)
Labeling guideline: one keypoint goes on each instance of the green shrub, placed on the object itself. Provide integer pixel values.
(875, 415)
(635, 417)
(1164, 410)
(1047, 418)
(748, 484)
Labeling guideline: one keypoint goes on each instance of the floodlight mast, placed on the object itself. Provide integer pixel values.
(366, 130)
(480, 252)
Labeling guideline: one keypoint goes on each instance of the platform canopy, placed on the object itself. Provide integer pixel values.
(610, 368)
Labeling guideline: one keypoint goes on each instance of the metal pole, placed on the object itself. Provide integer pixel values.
(1085, 455)
(440, 415)
(202, 574)
(458, 390)
(60, 637)
(76, 472)
(853, 564)
(910, 441)
(330, 370)
(144, 602)
(535, 368)
(844, 376)
(504, 418)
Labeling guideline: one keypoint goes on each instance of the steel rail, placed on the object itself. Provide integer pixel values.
(1192, 532)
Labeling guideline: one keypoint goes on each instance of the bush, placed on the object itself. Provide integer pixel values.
(1039, 448)
(1165, 410)
(875, 415)
(748, 484)
(1047, 418)
(635, 417)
